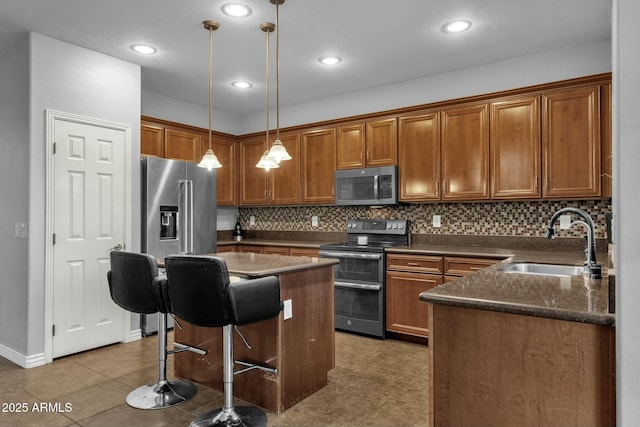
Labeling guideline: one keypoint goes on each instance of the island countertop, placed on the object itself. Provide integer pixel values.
(252, 265)
(577, 298)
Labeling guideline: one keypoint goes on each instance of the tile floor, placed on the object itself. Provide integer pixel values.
(374, 383)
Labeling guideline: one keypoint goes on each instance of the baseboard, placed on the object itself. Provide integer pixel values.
(22, 360)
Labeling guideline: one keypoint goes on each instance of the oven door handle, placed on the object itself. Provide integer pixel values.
(335, 254)
(358, 286)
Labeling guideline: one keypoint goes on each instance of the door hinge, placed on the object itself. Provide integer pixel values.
(53, 330)
(54, 238)
(55, 145)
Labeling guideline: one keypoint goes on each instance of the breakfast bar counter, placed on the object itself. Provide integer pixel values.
(301, 347)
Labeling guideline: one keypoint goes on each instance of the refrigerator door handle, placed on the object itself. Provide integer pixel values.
(186, 206)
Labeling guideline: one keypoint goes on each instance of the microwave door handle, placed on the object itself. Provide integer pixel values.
(376, 187)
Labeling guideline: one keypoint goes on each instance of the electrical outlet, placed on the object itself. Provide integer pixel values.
(436, 221)
(252, 220)
(288, 309)
(21, 230)
(314, 221)
(565, 222)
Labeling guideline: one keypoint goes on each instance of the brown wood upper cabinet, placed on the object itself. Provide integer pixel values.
(284, 182)
(181, 145)
(571, 142)
(318, 165)
(515, 148)
(367, 144)
(225, 151)
(419, 157)
(151, 140)
(279, 186)
(465, 152)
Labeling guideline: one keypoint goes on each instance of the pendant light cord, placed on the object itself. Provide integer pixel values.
(210, 81)
(277, 72)
(268, 94)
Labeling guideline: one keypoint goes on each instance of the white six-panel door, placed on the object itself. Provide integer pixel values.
(89, 220)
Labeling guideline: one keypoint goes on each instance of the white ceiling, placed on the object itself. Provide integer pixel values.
(381, 42)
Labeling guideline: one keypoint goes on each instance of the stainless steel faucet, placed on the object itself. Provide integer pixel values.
(591, 268)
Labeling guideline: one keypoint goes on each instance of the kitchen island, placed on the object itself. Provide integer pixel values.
(301, 348)
(519, 349)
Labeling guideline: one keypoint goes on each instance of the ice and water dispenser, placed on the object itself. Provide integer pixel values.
(168, 222)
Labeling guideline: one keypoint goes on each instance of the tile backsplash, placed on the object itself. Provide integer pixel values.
(527, 219)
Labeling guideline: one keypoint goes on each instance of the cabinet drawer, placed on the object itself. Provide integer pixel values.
(455, 266)
(414, 263)
(275, 250)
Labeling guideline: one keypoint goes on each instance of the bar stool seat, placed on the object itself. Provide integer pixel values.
(198, 290)
(136, 286)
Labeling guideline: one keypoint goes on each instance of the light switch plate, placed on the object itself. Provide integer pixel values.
(314, 221)
(436, 221)
(565, 222)
(288, 309)
(21, 230)
(252, 220)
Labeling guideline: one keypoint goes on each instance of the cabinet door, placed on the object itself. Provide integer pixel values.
(285, 180)
(350, 146)
(225, 151)
(318, 155)
(405, 312)
(151, 140)
(276, 250)
(225, 248)
(419, 157)
(458, 266)
(254, 249)
(515, 148)
(253, 180)
(181, 145)
(571, 142)
(465, 153)
(310, 252)
(382, 142)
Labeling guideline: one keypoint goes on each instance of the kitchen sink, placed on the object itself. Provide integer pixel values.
(555, 270)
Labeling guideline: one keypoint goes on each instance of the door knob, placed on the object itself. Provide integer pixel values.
(117, 247)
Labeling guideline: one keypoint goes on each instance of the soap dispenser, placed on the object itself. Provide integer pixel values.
(238, 233)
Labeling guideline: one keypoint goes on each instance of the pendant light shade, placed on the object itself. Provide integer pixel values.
(267, 162)
(209, 160)
(278, 152)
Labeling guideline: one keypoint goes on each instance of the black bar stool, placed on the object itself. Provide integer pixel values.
(199, 291)
(136, 286)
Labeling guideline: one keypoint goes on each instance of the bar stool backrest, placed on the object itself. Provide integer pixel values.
(134, 282)
(198, 292)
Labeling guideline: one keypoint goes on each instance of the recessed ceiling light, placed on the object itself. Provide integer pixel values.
(236, 10)
(456, 26)
(143, 48)
(330, 60)
(242, 85)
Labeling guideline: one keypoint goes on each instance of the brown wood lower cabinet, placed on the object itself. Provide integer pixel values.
(310, 252)
(409, 275)
(503, 369)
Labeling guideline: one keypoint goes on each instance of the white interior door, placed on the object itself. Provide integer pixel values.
(89, 217)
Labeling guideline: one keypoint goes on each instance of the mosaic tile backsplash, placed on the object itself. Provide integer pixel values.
(527, 219)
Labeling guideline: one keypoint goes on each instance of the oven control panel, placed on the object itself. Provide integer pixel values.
(377, 226)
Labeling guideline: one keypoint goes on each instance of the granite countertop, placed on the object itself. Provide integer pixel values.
(270, 242)
(258, 265)
(567, 298)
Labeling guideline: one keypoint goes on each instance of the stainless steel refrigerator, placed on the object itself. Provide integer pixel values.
(178, 213)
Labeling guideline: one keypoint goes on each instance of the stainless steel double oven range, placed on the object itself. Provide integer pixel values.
(360, 275)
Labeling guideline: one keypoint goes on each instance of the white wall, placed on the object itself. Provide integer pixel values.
(72, 79)
(626, 131)
(163, 107)
(560, 64)
(14, 178)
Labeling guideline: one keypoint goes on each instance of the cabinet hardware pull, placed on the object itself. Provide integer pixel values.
(414, 264)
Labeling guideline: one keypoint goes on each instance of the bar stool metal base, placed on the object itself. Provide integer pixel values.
(158, 396)
(246, 416)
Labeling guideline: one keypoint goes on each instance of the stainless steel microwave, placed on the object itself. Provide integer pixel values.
(367, 186)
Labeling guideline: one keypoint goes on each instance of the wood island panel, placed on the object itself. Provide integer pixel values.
(301, 348)
(503, 369)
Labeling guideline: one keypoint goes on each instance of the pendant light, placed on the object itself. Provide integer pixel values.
(209, 160)
(278, 152)
(267, 162)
